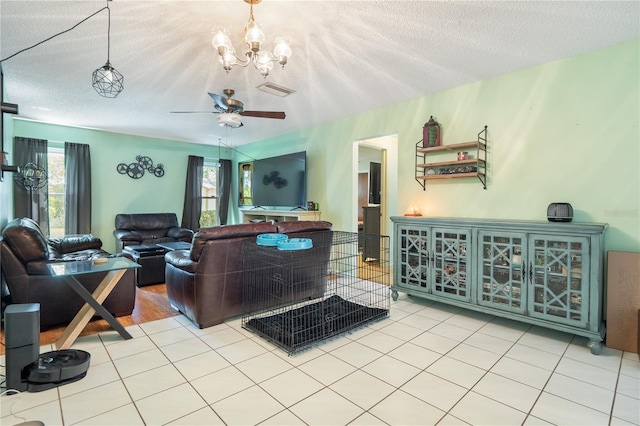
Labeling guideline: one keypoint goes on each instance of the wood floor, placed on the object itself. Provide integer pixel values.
(151, 304)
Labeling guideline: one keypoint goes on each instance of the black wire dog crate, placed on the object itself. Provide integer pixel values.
(298, 298)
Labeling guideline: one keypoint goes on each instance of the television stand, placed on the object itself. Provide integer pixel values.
(279, 215)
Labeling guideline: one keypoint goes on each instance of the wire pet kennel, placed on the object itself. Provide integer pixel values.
(298, 298)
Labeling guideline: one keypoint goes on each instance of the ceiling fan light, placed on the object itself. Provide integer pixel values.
(229, 120)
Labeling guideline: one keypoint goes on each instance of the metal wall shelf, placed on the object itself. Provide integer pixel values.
(453, 169)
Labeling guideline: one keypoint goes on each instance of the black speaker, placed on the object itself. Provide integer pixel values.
(560, 212)
(22, 341)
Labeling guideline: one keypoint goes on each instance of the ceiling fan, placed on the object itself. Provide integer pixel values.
(231, 109)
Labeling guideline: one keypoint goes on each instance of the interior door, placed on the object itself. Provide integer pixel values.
(375, 182)
(363, 195)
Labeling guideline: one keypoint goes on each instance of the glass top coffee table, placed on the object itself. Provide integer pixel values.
(178, 245)
(115, 268)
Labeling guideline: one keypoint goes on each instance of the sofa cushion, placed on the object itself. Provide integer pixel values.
(223, 232)
(303, 226)
(181, 260)
(71, 243)
(26, 240)
(146, 221)
(180, 233)
(124, 235)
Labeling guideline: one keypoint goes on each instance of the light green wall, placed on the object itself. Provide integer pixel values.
(565, 131)
(115, 193)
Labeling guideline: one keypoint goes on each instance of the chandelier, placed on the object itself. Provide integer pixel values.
(254, 37)
(107, 81)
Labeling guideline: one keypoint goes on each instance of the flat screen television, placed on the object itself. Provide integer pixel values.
(280, 181)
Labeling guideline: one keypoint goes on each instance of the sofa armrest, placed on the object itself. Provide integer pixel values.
(182, 234)
(73, 243)
(303, 226)
(180, 259)
(124, 235)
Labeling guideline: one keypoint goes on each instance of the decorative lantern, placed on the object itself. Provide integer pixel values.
(431, 133)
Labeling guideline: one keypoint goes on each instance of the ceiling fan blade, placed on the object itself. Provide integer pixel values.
(221, 103)
(194, 112)
(264, 114)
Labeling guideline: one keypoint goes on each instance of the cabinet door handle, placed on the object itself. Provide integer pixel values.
(530, 272)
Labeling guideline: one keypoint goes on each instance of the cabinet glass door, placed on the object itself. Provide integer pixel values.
(501, 277)
(558, 277)
(413, 258)
(451, 263)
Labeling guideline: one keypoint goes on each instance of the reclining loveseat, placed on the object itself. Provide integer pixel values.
(148, 229)
(205, 283)
(26, 254)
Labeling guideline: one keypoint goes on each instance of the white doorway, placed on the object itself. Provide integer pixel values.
(382, 150)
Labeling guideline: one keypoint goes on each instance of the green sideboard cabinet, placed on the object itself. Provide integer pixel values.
(548, 274)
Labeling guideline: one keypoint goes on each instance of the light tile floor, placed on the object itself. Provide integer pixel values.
(427, 364)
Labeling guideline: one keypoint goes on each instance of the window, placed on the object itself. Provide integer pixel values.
(56, 187)
(245, 172)
(209, 216)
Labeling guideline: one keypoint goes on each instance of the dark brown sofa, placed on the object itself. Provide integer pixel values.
(148, 228)
(26, 252)
(205, 283)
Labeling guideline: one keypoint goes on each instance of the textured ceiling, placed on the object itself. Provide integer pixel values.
(348, 56)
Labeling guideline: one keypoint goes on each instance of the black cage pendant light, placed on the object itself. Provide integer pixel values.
(107, 81)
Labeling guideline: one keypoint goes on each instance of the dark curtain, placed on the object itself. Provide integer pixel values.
(29, 150)
(77, 201)
(193, 193)
(224, 193)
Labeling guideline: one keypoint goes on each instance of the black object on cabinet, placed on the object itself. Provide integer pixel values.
(371, 231)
